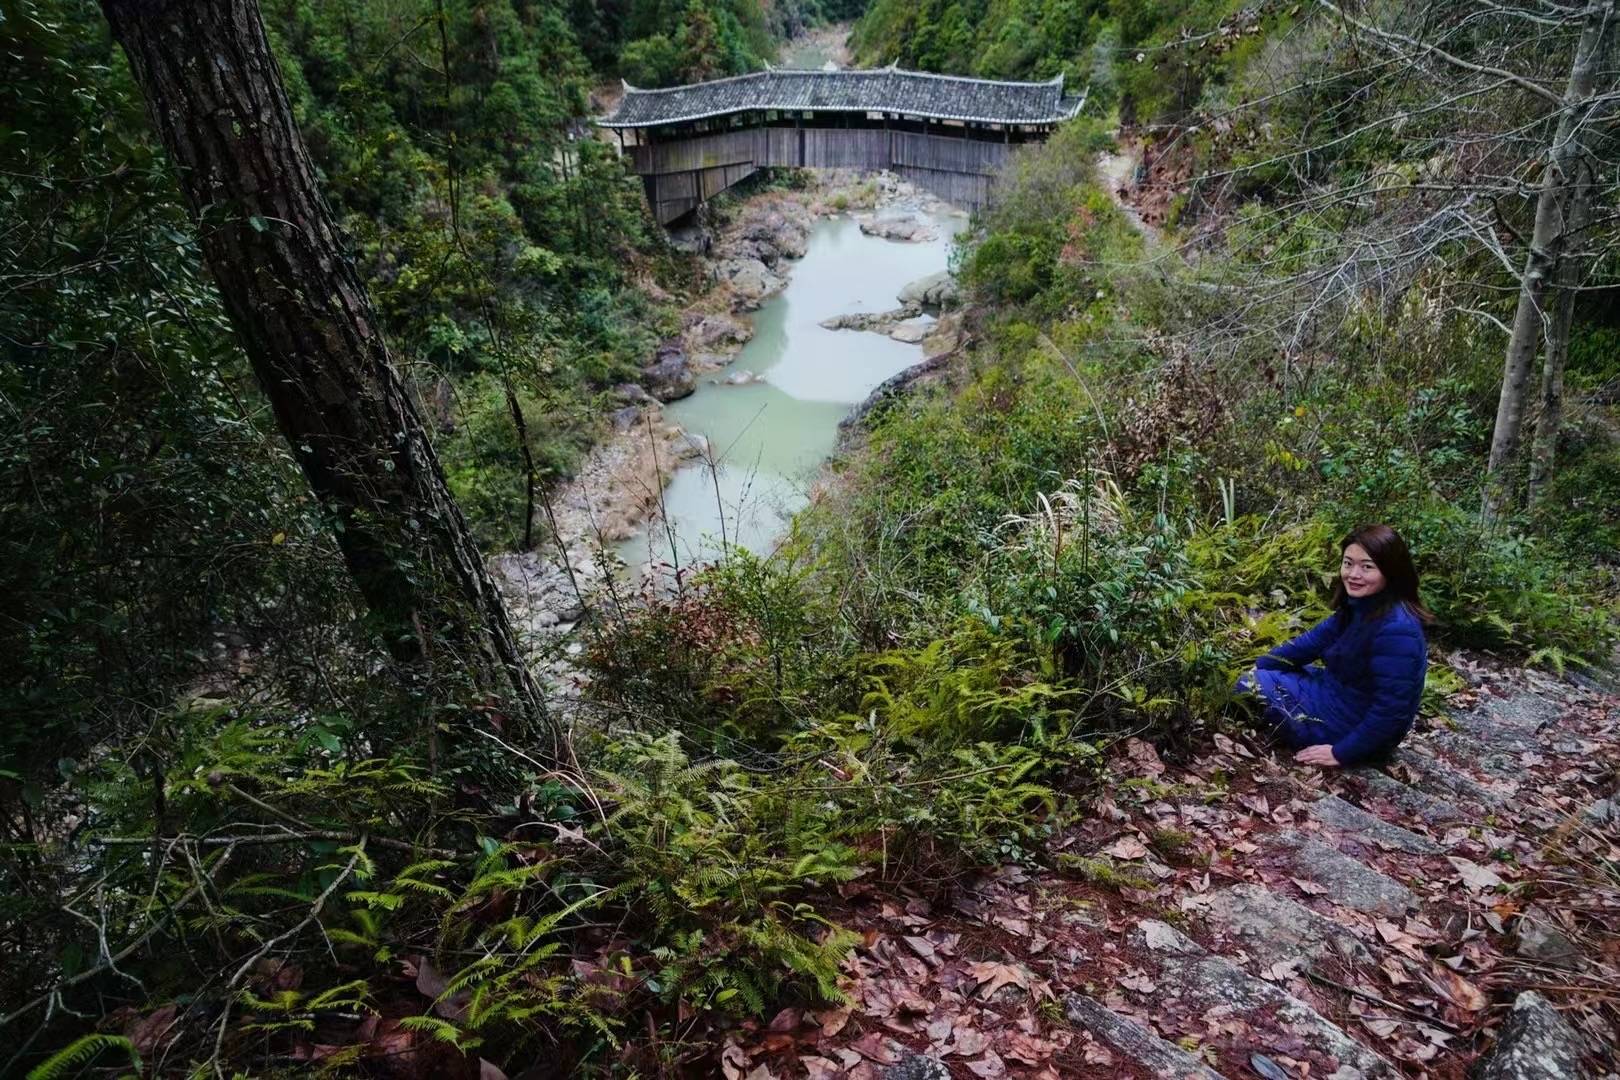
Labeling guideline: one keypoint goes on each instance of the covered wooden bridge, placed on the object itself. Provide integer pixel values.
(945, 133)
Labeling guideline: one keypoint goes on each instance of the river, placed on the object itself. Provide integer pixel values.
(770, 437)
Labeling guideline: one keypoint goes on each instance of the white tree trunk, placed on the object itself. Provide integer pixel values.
(1529, 320)
(1544, 450)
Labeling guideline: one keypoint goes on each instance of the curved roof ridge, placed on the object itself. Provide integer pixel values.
(1056, 80)
(914, 93)
(706, 82)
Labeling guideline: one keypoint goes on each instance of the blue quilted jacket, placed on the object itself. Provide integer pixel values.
(1363, 697)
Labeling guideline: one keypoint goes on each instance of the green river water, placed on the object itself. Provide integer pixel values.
(770, 437)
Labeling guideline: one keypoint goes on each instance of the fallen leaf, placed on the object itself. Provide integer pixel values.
(733, 1061)
(1283, 970)
(1309, 888)
(991, 976)
(786, 1020)
(1475, 876)
(1434, 1034)
(879, 1047)
(820, 1068)
(969, 1042)
(1126, 847)
(1158, 935)
(1097, 1054)
(990, 1067)
(1144, 757)
(431, 983)
(832, 1021)
(1012, 926)
(1140, 983)
(1027, 1049)
(1463, 992)
(279, 974)
(920, 945)
(1380, 1027)
(153, 1030)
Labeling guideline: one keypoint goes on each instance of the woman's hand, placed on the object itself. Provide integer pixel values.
(1320, 754)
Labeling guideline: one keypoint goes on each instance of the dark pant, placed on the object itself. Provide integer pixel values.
(1275, 720)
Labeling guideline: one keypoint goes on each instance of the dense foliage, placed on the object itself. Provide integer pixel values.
(1153, 60)
(235, 837)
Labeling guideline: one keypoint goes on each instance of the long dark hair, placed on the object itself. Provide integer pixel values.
(1394, 561)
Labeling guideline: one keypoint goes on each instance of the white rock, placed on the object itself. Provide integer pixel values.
(912, 331)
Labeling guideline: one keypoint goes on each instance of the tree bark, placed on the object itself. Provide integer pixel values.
(1544, 449)
(215, 97)
(1528, 321)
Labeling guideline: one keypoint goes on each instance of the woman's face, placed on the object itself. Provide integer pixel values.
(1359, 573)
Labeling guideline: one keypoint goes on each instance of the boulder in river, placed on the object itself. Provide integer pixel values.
(908, 227)
(751, 280)
(936, 290)
(880, 321)
(711, 331)
(669, 376)
(912, 331)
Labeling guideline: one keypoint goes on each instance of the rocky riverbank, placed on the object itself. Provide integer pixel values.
(749, 257)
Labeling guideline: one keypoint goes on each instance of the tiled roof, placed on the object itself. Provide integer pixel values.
(914, 93)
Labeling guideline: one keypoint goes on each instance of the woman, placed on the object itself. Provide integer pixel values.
(1363, 699)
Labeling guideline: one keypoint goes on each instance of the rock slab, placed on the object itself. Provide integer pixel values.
(1274, 929)
(1199, 981)
(1446, 780)
(1407, 799)
(1536, 1044)
(918, 1067)
(1135, 1042)
(1349, 882)
(1335, 813)
(1538, 937)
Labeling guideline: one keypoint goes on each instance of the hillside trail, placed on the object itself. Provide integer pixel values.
(1451, 913)
(1117, 170)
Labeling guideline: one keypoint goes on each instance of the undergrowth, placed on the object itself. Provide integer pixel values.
(1084, 535)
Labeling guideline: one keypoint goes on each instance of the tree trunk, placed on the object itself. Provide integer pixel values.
(215, 97)
(1544, 450)
(1528, 321)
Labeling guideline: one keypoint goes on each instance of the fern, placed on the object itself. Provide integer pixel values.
(377, 901)
(80, 1052)
(442, 1030)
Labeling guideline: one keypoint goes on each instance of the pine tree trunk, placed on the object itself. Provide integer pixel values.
(1529, 320)
(215, 97)
(1544, 450)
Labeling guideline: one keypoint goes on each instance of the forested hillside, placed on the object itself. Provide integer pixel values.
(300, 327)
(1153, 60)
